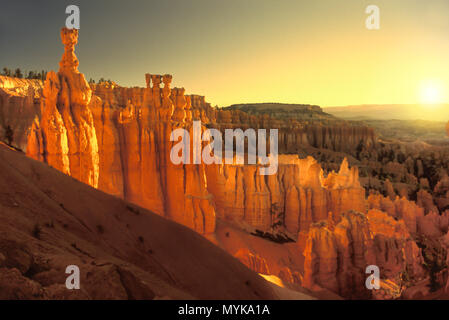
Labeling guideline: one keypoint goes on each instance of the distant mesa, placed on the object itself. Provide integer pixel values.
(284, 111)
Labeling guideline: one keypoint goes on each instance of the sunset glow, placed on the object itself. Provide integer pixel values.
(290, 51)
(431, 93)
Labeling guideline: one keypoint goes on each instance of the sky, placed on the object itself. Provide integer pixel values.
(246, 51)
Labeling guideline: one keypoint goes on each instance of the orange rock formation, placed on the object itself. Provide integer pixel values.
(296, 197)
(292, 133)
(65, 136)
(337, 259)
(122, 151)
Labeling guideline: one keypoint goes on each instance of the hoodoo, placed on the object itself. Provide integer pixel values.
(65, 135)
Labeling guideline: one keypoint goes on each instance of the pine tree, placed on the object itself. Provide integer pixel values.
(18, 73)
(6, 72)
(9, 135)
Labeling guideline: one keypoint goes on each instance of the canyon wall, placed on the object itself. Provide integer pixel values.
(123, 151)
(337, 254)
(293, 134)
(295, 197)
(135, 152)
(19, 106)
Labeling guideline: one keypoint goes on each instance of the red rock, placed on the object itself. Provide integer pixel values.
(69, 141)
(336, 259)
(122, 151)
(252, 261)
(425, 200)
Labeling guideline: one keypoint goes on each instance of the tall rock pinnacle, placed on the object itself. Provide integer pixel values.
(80, 92)
(66, 133)
(69, 60)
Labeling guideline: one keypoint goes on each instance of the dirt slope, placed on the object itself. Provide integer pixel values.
(49, 221)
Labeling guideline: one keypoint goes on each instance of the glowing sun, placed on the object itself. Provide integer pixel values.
(431, 93)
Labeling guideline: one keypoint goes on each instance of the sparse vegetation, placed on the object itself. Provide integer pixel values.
(50, 224)
(9, 135)
(30, 75)
(37, 231)
(18, 73)
(133, 210)
(102, 80)
(100, 229)
(277, 217)
(278, 238)
(434, 255)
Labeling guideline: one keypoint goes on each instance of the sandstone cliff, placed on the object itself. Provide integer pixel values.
(65, 137)
(336, 257)
(19, 104)
(295, 197)
(294, 135)
(119, 141)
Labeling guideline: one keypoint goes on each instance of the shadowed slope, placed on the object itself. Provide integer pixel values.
(49, 221)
